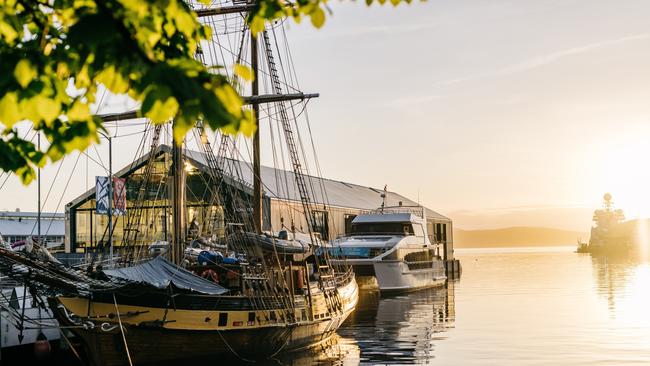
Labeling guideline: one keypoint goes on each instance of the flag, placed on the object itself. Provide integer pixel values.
(119, 196)
(101, 195)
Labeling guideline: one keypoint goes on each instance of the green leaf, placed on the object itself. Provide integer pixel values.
(113, 80)
(7, 32)
(47, 108)
(244, 72)
(248, 126)
(163, 111)
(181, 127)
(26, 174)
(318, 17)
(24, 72)
(9, 112)
(185, 23)
(257, 24)
(230, 99)
(79, 111)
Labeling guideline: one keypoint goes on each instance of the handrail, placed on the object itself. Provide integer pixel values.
(415, 210)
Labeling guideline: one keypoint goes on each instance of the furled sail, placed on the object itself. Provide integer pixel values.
(162, 274)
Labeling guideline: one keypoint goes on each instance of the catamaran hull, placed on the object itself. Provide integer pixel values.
(396, 276)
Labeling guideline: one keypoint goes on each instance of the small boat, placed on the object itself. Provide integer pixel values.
(582, 247)
(391, 246)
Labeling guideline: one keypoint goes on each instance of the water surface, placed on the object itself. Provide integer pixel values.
(523, 306)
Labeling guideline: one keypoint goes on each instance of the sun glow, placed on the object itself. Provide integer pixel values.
(623, 170)
(619, 165)
(635, 302)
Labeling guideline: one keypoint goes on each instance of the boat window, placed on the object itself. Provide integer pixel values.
(444, 232)
(430, 232)
(417, 230)
(348, 222)
(393, 228)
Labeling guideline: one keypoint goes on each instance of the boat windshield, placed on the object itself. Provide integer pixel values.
(373, 228)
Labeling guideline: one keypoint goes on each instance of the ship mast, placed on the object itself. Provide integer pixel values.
(178, 202)
(38, 214)
(177, 168)
(257, 179)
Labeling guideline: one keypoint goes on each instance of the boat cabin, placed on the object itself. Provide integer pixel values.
(405, 224)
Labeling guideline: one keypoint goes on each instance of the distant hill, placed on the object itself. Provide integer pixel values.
(516, 237)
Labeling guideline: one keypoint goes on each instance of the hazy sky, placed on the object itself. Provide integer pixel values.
(495, 113)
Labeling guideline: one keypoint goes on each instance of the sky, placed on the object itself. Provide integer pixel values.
(495, 113)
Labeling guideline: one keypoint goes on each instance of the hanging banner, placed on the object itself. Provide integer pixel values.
(119, 196)
(101, 195)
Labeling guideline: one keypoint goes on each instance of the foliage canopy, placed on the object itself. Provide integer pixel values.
(55, 53)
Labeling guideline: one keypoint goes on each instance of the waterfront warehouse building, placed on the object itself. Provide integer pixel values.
(336, 204)
(16, 226)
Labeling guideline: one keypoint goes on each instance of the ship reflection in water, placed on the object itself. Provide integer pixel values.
(398, 329)
(401, 329)
(623, 282)
(516, 307)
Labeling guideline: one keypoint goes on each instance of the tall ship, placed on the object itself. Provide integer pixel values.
(390, 248)
(228, 286)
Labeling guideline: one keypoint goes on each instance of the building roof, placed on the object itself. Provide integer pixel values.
(278, 183)
(25, 214)
(27, 227)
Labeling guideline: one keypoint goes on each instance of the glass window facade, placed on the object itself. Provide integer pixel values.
(154, 221)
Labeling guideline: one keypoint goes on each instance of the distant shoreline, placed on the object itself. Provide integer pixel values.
(524, 249)
(516, 237)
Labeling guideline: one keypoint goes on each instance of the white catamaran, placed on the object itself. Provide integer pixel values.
(392, 245)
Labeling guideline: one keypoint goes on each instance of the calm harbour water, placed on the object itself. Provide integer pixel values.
(522, 306)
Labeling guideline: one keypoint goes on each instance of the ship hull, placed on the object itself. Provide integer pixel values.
(155, 346)
(155, 335)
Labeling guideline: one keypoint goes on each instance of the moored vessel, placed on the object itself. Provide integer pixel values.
(263, 295)
(390, 245)
(610, 234)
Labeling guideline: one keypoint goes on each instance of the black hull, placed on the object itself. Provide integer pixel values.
(157, 335)
(155, 346)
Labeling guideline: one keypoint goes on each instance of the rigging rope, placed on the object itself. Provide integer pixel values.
(119, 319)
(65, 189)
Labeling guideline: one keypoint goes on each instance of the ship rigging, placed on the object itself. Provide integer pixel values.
(267, 290)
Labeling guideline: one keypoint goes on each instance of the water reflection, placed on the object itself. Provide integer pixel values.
(612, 275)
(399, 329)
(403, 328)
(337, 351)
(623, 282)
